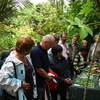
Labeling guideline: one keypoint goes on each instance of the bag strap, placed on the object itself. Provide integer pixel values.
(14, 69)
(15, 75)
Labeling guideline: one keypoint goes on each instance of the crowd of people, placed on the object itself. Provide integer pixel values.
(25, 71)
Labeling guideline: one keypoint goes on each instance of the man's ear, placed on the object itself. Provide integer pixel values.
(45, 42)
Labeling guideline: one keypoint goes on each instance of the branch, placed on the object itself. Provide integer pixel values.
(93, 23)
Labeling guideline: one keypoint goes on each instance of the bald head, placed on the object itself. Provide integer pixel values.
(47, 42)
(48, 38)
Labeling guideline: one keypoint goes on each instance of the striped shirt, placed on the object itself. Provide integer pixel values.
(78, 62)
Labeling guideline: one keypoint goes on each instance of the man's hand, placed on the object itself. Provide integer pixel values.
(44, 74)
(67, 51)
(49, 79)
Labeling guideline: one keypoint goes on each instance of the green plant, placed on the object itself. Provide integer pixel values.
(82, 29)
(7, 42)
(6, 9)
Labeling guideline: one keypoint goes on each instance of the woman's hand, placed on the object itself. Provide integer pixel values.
(25, 86)
(68, 81)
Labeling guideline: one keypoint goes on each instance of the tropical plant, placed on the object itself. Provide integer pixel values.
(6, 9)
(44, 18)
(82, 29)
(85, 18)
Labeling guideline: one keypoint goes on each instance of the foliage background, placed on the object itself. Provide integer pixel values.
(81, 17)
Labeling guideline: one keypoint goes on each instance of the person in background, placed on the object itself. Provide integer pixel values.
(18, 64)
(40, 61)
(85, 44)
(56, 37)
(78, 62)
(63, 44)
(92, 49)
(73, 48)
(60, 66)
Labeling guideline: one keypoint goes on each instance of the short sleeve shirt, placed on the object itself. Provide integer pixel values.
(40, 59)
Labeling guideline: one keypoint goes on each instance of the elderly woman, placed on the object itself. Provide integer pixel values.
(92, 50)
(17, 72)
(60, 66)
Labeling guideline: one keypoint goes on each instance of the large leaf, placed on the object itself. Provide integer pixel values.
(83, 33)
(79, 22)
(89, 30)
(71, 22)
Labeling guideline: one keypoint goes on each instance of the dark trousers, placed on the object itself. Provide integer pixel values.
(40, 91)
(55, 96)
